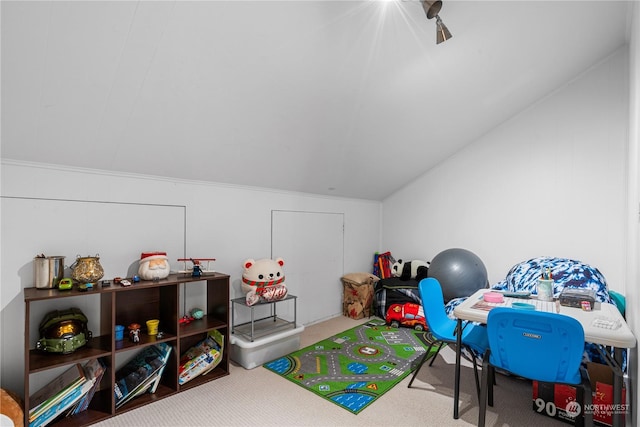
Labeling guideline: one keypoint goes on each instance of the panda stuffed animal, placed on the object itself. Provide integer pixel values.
(410, 269)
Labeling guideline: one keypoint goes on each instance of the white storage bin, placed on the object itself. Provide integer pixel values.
(251, 354)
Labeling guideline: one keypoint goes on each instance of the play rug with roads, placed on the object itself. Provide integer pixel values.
(355, 367)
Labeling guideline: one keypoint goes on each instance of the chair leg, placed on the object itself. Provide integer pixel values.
(475, 374)
(486, 377)
(424, 359)
(437, 351)
(492, 379)
(588, 399)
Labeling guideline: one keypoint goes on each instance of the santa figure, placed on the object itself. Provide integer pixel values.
(154, 266)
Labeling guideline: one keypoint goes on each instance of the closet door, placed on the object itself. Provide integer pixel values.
(312, 246)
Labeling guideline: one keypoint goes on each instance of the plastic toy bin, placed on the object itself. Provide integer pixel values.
(251, 354)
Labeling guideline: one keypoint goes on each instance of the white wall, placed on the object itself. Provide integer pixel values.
(550, 181)
(225, 222)
(633, 208)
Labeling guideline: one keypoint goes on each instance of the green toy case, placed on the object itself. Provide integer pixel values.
(63, 331)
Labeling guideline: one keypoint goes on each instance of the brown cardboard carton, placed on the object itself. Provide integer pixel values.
(601, 377)
(559, 400)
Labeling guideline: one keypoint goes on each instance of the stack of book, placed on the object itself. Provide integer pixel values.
(68, 394)
(201, 358)
(141, 374)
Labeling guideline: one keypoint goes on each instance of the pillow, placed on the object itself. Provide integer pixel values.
(10, 409)
(564, 272)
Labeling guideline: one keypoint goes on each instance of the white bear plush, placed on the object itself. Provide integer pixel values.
(263, 280)
(410, 270)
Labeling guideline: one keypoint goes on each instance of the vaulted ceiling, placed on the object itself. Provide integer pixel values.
(344, 98)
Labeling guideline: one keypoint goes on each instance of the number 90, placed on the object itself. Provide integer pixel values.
(548, 407)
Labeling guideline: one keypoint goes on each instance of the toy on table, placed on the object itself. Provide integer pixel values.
(197, 268)
(134, 332)
(63, 331)
(194, 314)
(119, 329)
(154, 266)
(152, 327)
(65, 284)
(263, 280)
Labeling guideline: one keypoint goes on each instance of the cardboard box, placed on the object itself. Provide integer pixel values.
(559, 401)
(602, 386)
(566, 403)
(357, 299)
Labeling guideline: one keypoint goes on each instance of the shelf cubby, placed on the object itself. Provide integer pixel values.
(122, 306)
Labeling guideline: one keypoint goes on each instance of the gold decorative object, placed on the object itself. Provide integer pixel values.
(87, 269)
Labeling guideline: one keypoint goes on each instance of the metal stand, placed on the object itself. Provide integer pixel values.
(267, 325)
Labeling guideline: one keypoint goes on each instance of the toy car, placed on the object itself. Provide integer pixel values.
(408, 314)
(65, 284)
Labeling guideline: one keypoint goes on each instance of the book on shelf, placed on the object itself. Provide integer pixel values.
(94, 370)
(156, 383)
(140, 372)
(219, 340)
(56, 390)
(201, 358)
(151, 385)
(61, 406)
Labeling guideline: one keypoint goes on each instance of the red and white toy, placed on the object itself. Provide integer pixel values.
(263, 280)
(153, 266)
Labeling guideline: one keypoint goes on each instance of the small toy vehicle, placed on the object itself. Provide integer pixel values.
(65, 284)
(186, 319)
(408, 314)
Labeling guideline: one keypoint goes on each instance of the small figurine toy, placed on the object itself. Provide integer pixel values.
(197, 269)
(134, 332)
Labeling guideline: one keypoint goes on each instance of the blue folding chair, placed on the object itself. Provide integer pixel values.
(536, 345)
(443, 329)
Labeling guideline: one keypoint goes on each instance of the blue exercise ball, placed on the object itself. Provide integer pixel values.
(460, 273)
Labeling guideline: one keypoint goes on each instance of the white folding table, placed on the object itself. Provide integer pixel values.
(619, 338)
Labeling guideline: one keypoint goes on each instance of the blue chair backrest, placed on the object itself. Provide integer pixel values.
(440, 325)
(536, 345)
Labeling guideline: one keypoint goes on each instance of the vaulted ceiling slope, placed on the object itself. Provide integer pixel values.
(344, 98)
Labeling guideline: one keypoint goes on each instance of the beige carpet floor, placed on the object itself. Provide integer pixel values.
(258, 397)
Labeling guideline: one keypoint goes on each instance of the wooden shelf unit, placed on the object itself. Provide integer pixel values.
(122, 306)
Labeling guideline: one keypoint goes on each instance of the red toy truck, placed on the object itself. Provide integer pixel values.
(408, 314)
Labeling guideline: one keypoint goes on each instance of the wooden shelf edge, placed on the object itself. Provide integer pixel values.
(144, 399)
(200, 326)
(126, 345)
(90, 416)
(41, 361)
